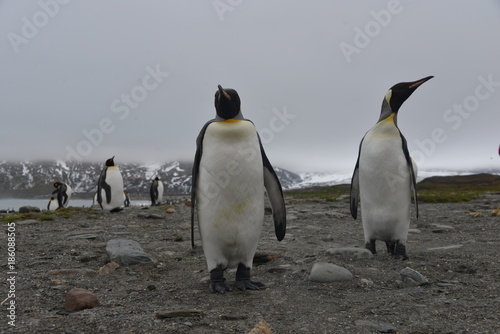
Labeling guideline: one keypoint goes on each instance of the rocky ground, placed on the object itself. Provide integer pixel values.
(454, 246)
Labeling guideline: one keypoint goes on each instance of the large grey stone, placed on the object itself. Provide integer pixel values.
(328, 272)
(29, 208)
(127, 252)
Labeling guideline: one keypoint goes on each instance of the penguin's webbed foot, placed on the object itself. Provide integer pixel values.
(400, 251)
(217, 281)
(243, 281)
(371, 246)
(118, 209)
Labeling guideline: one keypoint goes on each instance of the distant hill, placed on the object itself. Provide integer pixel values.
(32, 179)
(482, 179)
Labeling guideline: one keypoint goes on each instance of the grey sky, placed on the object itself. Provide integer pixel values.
(138, 77)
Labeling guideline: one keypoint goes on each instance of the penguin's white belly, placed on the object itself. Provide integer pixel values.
(385, 185)
(115, 180)
(53, 205)
(159, 198)
(230, 193)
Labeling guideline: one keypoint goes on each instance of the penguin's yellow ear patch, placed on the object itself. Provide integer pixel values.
(388, 96)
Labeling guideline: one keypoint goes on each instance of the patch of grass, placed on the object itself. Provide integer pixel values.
(318, 194)
(46, 219)
(454, 192)
(17, 216)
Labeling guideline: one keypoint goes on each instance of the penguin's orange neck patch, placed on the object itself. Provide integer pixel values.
(231, 120)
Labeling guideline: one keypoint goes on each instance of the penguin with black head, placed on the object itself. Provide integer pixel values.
(385, 177)
(63, 191)
(231, 173)
(110, 195)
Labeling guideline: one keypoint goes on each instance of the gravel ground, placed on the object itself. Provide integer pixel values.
(53, 256)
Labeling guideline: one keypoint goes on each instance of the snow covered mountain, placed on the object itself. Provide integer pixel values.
(31, 179)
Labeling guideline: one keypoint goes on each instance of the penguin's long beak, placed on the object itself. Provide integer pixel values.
(223, 92)
(417, 83)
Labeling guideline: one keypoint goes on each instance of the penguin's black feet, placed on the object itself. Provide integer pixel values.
(400, 251)
(391, 246)
(217, 281)
(118, 209)
(371, 246)
(243, 281)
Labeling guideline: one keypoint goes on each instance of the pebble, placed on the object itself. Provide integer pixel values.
(328, 272)
(413, 277)
(280, 268)
(351, 252)
(445, 247)
(83, 236)
(170, 210)
(127, 252)
(80, 299)
(496, 212)
(261, 328)
(475, 214)
(414, 230)
(108, 268)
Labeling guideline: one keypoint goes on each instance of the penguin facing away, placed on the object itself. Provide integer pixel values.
(110, 194)
(63, 191)
(230, 173)
(52, 205)
(385, 177)
(156, 191)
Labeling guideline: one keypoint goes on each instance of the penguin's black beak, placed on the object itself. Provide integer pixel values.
(415, 84)
(223, 92)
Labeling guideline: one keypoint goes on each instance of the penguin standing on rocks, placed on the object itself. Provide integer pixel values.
(156, 191)
(230, 173)
(110, 194)
(63, 191)
(385, 176)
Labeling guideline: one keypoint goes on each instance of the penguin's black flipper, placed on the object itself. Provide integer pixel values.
(103, 185)
(354, 198)
(194, 174)
(412, 172)
(275, 195)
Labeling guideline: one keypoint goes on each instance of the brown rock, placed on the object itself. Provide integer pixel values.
(170, 210)
(108, 268)
(475, 214)
(189, 203)
(80, 299)
(261, 328)
(496, 212)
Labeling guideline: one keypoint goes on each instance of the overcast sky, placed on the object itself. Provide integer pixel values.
(88, 79)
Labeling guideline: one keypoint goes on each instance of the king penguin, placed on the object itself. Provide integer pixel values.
(385, 177)
(156, 191)
(53, 205)
(110, 187)
(230, 175)
(63, 191)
